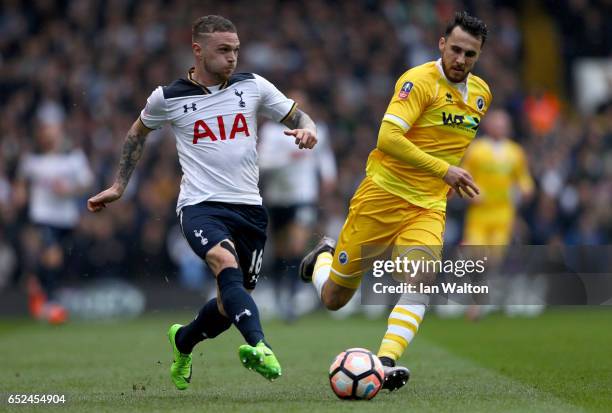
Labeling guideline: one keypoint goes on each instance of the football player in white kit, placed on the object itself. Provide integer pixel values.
(293, 208)
(213, 113)
(51, 181)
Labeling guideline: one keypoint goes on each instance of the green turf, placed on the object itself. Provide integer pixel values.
(558, 362)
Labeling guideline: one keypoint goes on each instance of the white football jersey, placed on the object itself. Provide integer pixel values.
(216, 134)
(284, 164)
(43, 171)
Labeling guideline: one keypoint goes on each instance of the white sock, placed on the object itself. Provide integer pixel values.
(321, 271)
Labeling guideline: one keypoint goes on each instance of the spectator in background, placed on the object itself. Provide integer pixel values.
(8, 258)
(543, 111)
(292, 180)
(51, 181)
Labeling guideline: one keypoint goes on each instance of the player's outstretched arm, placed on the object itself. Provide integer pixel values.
(302, 128)
(132, 150)
(391, 140)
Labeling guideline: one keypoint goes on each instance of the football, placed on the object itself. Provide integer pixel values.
(356, 374)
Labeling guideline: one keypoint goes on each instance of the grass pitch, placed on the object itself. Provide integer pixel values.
(561, 361)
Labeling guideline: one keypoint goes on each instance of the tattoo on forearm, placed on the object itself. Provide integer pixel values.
(132, 150)
(299, 120)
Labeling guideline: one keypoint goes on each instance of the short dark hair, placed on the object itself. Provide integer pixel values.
(211, 24)
(472, 25)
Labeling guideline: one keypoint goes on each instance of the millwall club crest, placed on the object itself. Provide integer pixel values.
(405, 90)
(343, 257)
(480, 103)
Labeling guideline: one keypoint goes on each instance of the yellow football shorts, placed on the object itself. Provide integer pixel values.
(379, 220)
(488, 226)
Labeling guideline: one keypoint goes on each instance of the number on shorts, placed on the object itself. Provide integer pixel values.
(256, 262)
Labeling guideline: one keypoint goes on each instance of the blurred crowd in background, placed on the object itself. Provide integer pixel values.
(89, 66)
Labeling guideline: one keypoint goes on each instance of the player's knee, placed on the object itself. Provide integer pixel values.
(222, 256)
(334, 299)
(333, 303)
(221, 261)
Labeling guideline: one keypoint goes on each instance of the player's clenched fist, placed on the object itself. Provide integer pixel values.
(304, 138)
(461, 181)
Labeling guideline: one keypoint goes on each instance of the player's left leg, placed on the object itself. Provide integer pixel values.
(248, 231)
(421, 239)
(316, 267)
(336, 271)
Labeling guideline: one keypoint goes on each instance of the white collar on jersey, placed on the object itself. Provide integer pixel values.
(460, 86)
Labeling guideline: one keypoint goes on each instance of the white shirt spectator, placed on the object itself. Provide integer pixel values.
(44, 172)
(292, 174)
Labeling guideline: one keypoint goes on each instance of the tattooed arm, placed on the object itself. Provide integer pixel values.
(302, 128)
(132, 150)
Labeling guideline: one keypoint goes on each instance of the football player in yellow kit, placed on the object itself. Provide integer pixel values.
(498, 165)
(433, 115)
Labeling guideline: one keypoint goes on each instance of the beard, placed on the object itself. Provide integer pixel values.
(453, 75)
(220, 73)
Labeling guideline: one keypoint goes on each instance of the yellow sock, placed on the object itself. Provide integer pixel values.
(320, 274)
(402, 326)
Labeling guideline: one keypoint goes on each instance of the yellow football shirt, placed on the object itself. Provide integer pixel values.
(497, 167)
(441, 118)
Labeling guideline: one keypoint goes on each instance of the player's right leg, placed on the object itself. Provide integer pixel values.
(199, 226)
(208, 324)
(420, 239)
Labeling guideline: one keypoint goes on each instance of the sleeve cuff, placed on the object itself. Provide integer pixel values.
(397, 121)
(293, 108)
(144, 124)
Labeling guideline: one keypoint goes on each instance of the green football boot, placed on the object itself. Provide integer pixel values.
(180, 370)
(261, 359)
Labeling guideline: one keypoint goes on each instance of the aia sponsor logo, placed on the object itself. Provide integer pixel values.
(201, 130)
